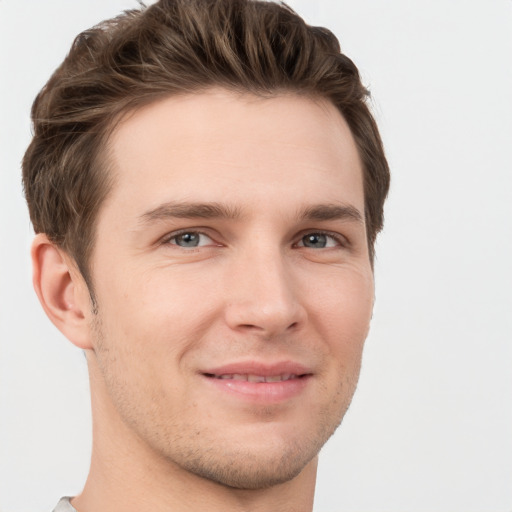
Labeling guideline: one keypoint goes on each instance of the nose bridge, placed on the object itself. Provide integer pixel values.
(263, 296)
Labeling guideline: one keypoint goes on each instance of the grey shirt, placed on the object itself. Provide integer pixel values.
(64, 506)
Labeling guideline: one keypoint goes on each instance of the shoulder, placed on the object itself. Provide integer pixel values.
(64, 505)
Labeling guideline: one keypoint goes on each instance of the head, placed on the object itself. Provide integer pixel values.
(178, 47)
(227, 146)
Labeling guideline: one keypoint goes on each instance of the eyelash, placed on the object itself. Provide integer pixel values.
(339, 239)
(175, 234)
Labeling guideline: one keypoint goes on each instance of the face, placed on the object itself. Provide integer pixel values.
(233, 283)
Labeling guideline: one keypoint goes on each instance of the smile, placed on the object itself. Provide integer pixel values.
(254, 378)
(259, 383)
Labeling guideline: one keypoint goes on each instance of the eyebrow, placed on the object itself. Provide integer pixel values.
(215, 210)
(331, 212)
(185, 210)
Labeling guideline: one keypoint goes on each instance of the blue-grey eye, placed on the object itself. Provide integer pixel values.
(318, 241)
(187, 240)
(315, 240)
(190, 239)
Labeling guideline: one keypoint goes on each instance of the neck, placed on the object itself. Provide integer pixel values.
(127, 475)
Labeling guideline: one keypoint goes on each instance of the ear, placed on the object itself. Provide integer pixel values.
(62, 291)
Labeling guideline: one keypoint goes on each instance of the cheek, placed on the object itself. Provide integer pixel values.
(155, 317)
(343, 313)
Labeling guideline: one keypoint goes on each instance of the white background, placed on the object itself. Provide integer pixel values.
(430, 428)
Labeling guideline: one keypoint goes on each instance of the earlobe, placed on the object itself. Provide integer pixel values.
(61, 291)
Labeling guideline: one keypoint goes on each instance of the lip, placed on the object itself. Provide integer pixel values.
(259, 368)
(298, 376)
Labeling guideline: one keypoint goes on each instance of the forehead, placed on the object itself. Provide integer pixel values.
(241, 148)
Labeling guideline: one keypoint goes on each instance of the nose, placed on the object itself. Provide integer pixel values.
(263, 296)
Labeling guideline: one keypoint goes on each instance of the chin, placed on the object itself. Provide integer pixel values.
(254, 466)
(246, 471)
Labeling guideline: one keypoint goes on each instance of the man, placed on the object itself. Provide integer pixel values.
(206, 183)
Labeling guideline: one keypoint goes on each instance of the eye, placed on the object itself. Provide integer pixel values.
(319, 241)
(190, 239)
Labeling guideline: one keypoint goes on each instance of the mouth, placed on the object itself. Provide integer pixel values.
(250, 377)
(259, 382)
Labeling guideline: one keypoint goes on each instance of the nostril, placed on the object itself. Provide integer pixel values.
(256, 328)
(250, 327)
(294, 326)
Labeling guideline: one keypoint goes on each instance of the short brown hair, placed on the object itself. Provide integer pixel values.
(178, 46)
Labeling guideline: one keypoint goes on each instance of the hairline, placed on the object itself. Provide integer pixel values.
(106, 167)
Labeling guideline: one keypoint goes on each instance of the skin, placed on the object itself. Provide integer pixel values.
(280, 274)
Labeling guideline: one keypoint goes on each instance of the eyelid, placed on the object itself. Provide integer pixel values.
(166, 239)
(340, 239)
